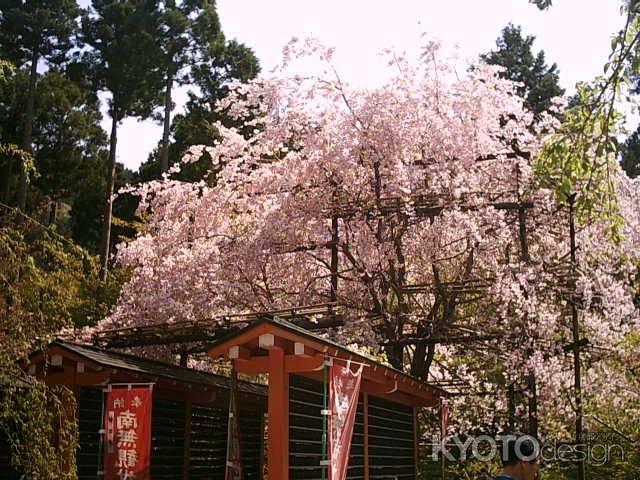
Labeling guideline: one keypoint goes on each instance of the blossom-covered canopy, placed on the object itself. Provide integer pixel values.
(413, 205)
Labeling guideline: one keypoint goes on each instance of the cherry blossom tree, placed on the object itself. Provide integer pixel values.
(415, 206)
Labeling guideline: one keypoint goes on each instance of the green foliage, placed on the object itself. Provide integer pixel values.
(123, 53)
(194, 127)
(213, 63)
(174, 38)
(46, 283)
(129, 49)
(578, 157)
(69, 150)
(39, 423)
(42, 29)
(539, 82)
(67, 132)
(592, 115)
(10, 153)
(35, 33)
(5, 68)
(84, 219)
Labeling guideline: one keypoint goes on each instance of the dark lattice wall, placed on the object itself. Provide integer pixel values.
(209, 442)
(391, 450)
(89, 422)
(207, 445)
(167, 439)
(391, 438)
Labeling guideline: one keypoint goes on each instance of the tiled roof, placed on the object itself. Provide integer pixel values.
(155, 368)
(278, 322)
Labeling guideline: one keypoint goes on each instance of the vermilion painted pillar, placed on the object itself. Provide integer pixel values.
(416, 449)
(365, 399)
(278, 404)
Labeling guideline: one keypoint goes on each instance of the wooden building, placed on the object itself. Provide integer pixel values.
(189, 411)
(280, 424)
(384, 443)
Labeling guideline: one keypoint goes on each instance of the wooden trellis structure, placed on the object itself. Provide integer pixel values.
(193, 337)
(196, 337)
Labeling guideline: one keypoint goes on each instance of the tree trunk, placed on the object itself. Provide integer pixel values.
(420, 353)
(108, 206)
(168, 107)
(6, 181)
(394, 350)
(53, 212)
(28, 131)
(394, 355)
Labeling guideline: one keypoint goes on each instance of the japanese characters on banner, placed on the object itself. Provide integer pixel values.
(127, 422)
(344, 388)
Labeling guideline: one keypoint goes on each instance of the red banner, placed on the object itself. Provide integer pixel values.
(344, 388)
(127, 423)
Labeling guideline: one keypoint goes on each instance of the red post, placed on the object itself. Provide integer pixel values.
(278, 402)
(416, 441)
(365, 399)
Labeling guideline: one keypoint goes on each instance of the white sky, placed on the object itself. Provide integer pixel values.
(575, 34)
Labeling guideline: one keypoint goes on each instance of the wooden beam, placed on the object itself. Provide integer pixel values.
(300, 348)
(41, 356)
(303, 363)
(253, 365)
(278, 402)
(270, 340)
(267, 336)
(222, 349)
(408, 399)
(93, 378)
(416, 450)
(380, 387)
(239, 352)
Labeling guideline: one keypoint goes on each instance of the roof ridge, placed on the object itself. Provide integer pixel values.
(63, 343)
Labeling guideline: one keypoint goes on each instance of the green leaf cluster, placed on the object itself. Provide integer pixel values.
(578, 157)
(46, 283)
(39, 423)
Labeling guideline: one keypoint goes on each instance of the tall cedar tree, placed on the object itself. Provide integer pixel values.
(67, 135)
(539, 81)
(33, 32)
(215, 64)
(124, 51)
(180, 43)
